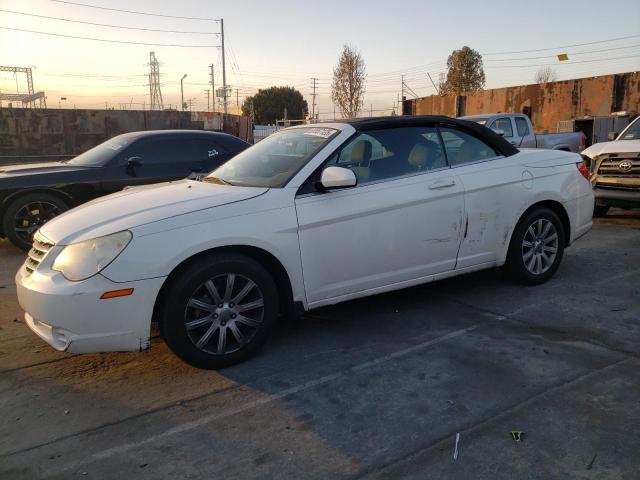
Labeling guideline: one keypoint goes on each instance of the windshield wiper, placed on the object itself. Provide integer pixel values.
(216, 181)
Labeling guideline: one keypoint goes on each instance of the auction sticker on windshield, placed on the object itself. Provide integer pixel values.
(320, 132)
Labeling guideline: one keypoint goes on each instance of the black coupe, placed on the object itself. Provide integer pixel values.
(31, 194)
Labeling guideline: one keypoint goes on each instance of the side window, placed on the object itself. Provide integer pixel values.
(390, 153)
(161, 151)
(522, 126)
(464, 148)
(503, 124)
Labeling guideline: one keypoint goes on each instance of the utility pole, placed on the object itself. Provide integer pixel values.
(182, 92)
(213, 90)
(224, 71)
(237, 99)
(208, 104)
(313, 103)
(402, 97)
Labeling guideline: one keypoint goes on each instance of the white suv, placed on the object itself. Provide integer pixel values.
(311, 216)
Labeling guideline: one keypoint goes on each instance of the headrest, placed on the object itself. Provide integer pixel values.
(422, 153)
(361, 152)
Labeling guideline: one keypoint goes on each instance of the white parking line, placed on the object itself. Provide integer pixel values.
(187, 426)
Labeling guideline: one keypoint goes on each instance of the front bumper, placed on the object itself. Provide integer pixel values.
(71, 317)
(623, 198)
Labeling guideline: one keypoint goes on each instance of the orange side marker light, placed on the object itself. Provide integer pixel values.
(116, 293)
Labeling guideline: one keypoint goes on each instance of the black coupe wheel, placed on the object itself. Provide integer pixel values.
(26, 214)
(536, 247)
(219, 310)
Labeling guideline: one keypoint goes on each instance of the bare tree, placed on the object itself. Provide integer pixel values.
(545, 74)
(349, 76)
(465, 72)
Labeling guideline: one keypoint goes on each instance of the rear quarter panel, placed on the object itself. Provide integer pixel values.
(552, 175)
(498, 192)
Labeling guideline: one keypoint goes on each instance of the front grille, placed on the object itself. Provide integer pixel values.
(41, 247)
(609, 165)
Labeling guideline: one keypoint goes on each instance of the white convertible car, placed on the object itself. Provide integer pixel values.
(311, 216)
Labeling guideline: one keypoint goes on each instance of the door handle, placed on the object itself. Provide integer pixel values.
(444, 183)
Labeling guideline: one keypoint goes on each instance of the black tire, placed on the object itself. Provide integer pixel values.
(191, 285)
(14, 219)
(519, 258)
(600, 210)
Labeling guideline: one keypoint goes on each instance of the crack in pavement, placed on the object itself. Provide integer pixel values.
(448, 438)
(507, 317)
(188, 426)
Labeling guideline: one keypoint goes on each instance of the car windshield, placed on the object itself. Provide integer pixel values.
(633, 132)
(100, 155)
(273, 161)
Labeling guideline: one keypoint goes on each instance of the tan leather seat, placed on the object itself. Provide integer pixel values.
(426, 155)
(361, 159)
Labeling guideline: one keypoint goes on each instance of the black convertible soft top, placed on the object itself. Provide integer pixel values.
(486, 134)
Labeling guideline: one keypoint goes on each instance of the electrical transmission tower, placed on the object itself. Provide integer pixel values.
(28, 99)
(154, 83)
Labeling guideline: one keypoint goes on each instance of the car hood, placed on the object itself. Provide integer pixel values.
(617, 146)
(137, 206)
(39, 168)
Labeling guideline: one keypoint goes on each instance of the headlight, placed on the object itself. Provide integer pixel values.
(82, 260)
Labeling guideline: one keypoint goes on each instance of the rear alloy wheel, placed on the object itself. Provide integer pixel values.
(219, 311)
(536, 248)
(25, 215)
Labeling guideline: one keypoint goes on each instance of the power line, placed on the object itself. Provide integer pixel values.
(134, 11)
(313, 95)
(564, 46)
(107, 40)
(563, 63)
(105, 24)
(100, 77)
(568, 53)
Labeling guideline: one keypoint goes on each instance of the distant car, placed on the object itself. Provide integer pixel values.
(517, 129)
(312, 215)
(615, 170)
(33, 193)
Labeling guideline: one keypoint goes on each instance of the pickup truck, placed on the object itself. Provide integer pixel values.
(614, 169)
(517, 129)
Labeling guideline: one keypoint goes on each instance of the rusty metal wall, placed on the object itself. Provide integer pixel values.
(550, 103)
(50, 134)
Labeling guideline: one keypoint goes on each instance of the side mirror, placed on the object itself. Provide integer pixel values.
(611, 136)
(134, 162)
(336, 177)
(499, 131)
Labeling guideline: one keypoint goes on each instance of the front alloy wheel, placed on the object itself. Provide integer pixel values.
(224, 313)
(218, 310)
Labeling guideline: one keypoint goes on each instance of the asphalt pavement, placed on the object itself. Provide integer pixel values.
(374, 388)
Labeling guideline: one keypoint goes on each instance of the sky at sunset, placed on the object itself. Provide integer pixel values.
(288, 42)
